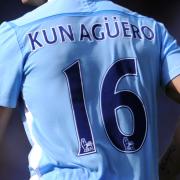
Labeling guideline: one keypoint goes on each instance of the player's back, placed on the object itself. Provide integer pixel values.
(90, 77)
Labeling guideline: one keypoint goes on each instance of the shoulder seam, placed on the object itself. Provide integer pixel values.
(76, 14)
(12, 27)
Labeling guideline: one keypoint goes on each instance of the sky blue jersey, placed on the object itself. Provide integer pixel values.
(86, 75)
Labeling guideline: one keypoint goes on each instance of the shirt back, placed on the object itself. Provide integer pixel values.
(88, 73)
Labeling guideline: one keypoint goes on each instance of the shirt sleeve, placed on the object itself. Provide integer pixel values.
(170, 57)
(10, 67)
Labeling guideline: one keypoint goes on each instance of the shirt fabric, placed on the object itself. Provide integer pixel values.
(86, 74)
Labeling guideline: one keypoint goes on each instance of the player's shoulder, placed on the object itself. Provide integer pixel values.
(32, 16)
(57, 7)
(80, 8)
(122, 11)
(133, 17)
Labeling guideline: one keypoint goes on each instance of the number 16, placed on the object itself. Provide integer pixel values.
(111, 100)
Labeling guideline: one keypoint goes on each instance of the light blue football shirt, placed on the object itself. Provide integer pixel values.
(87, 73)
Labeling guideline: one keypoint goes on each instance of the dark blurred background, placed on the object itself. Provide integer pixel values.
(14, 148)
